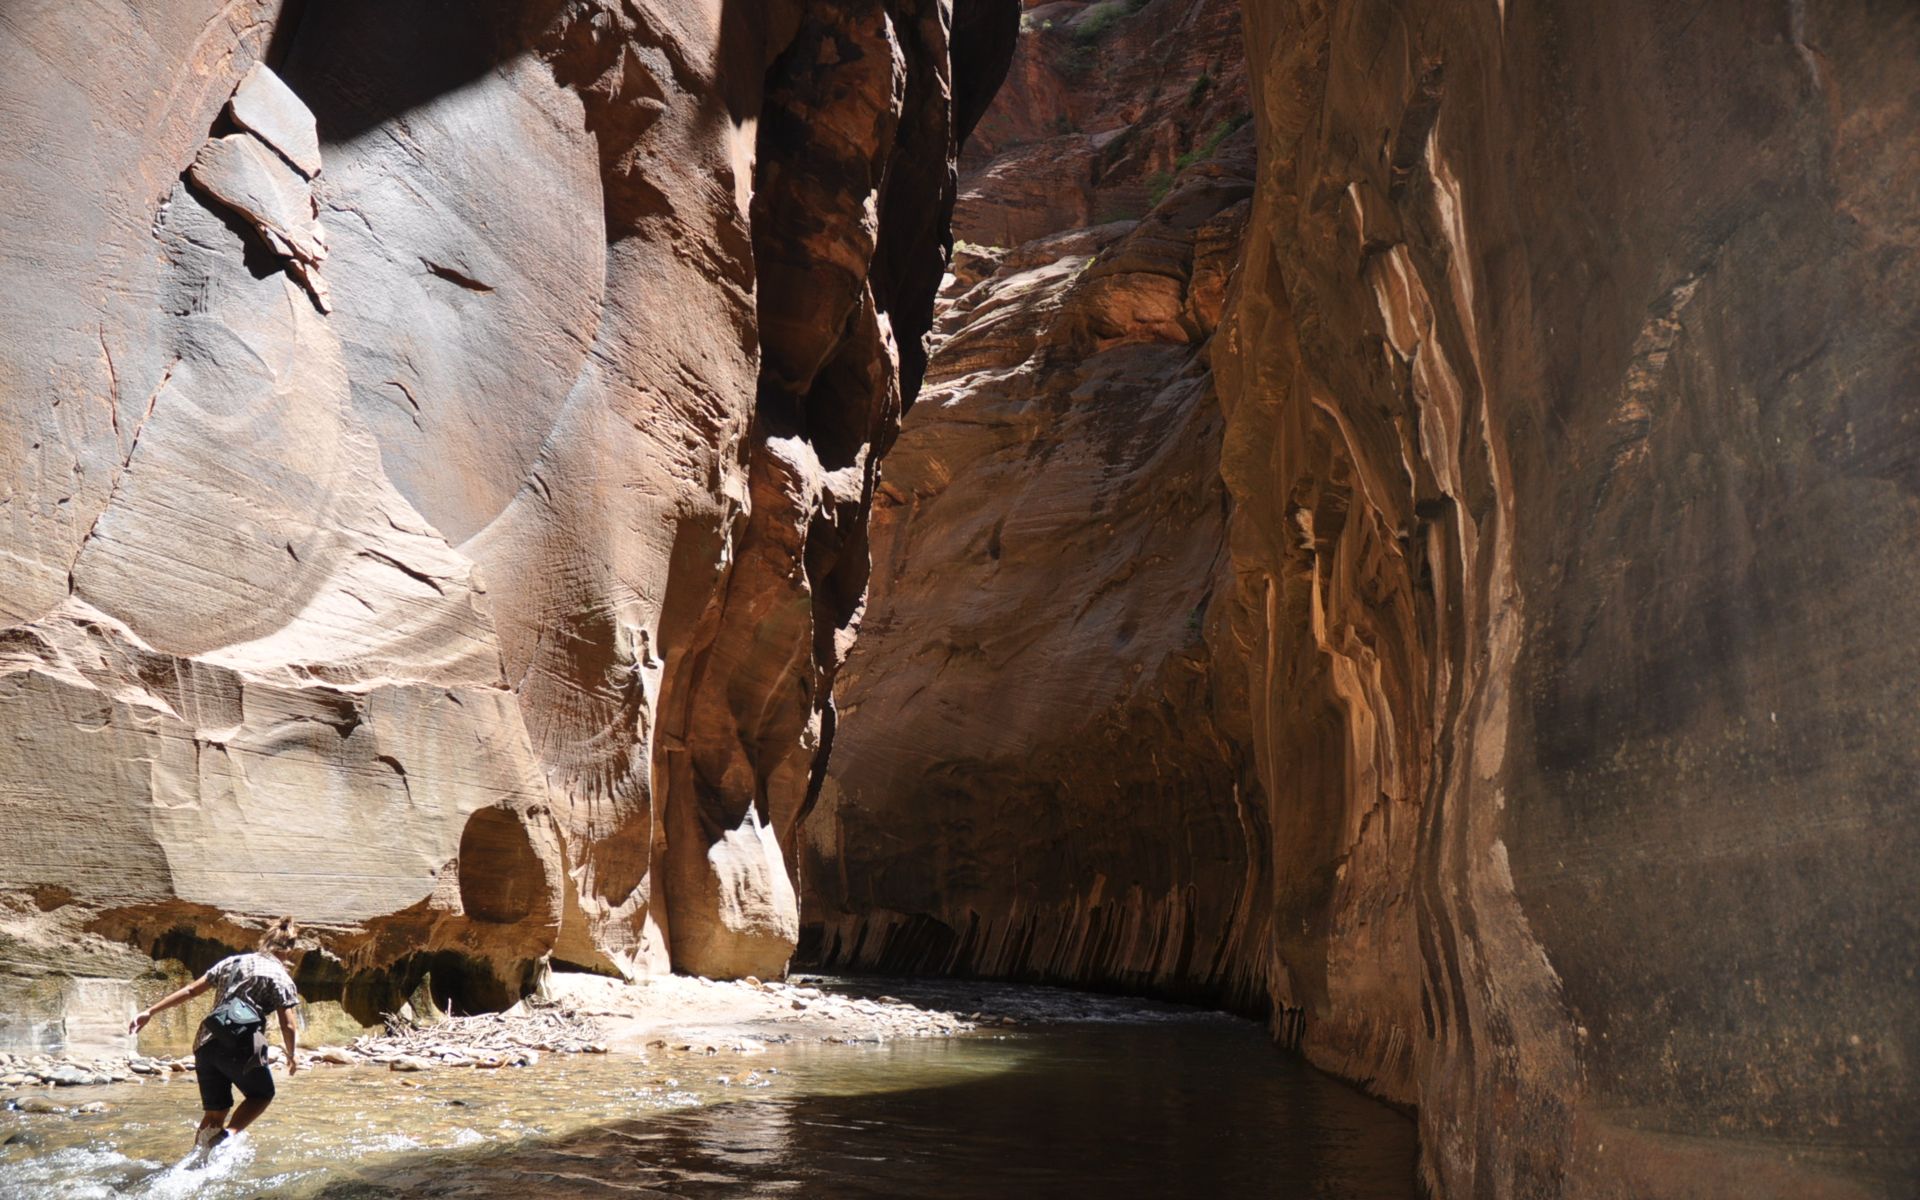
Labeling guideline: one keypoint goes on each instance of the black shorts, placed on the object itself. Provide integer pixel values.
(220, 1073)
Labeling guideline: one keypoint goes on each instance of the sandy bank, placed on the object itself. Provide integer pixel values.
(586, 1014)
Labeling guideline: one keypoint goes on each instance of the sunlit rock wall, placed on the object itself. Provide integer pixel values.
(1570, 382)
(1038, 771)
(432, 475)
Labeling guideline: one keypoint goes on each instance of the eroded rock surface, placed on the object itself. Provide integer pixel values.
(1038, 768)
(431, 445)
(1568, 383)
(1567, 380)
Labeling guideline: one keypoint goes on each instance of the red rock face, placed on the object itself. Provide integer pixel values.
(1563, 377)
(1564, 572)
(437, 450)
(1038, 767)
(1103, 106)
(435, 466)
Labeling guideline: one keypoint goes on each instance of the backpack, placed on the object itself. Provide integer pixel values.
(235, 1022)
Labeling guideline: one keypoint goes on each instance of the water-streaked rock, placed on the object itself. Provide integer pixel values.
(454, 600)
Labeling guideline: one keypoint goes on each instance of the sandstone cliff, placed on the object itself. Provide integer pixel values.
(1540, 750)
(1568, 379)
(437, 448)
(440, 442)
(1038, 770)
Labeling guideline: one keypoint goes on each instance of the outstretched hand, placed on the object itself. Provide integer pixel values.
(139, 1021)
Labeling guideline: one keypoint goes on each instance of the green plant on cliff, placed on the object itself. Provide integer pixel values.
(1096, 21)
(1205, 149)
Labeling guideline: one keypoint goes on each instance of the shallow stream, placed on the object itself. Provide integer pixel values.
(1086, 1096)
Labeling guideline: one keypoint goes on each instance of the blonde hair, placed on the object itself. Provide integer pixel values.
(281, 938)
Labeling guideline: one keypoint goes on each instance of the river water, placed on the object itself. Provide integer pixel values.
(1086, 1096)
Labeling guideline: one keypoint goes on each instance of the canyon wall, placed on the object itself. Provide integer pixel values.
(1530, 733)
(439, 476)
(1569, 378)
(1038, 769)
(435, 451)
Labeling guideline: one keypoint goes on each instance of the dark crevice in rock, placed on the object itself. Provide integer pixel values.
(454, 276)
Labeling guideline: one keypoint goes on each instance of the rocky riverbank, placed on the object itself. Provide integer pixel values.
(577, 1014)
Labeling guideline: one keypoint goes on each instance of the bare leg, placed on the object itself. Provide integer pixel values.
(246, 1113)
(210, 1121)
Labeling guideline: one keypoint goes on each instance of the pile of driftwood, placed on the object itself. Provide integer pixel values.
(514, 1039)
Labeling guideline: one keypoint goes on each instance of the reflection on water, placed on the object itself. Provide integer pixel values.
(1100, 1097)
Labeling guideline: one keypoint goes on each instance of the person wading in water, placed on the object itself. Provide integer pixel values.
(231, 1048)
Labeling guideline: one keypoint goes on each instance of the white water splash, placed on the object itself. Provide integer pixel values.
(81, 1173)
(382, 1143)
(89, 1173)
(199, 1174)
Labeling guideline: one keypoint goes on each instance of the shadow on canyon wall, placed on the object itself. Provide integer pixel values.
(1543, 665)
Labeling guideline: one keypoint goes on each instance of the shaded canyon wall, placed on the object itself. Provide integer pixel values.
(436, 452)
(1531, 733)
(1569, 379)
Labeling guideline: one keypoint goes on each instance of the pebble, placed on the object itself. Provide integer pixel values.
(93, 1108)
(38, 1104)
(407, 1062)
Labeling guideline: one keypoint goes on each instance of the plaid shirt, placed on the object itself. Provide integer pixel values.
(256, 978)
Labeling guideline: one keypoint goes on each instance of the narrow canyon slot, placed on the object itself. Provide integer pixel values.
(960, 598)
